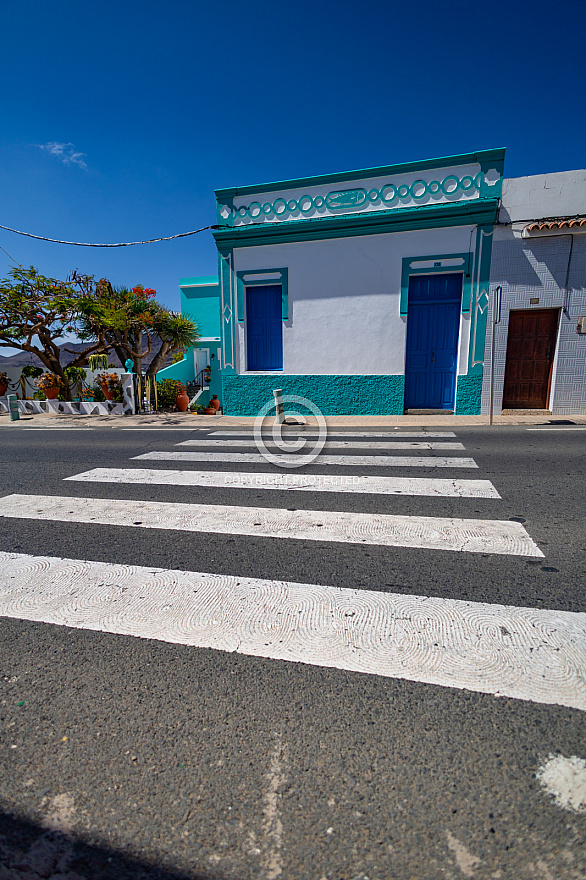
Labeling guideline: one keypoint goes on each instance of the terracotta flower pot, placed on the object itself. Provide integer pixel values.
(51, 393)
(106, 392)
(215, 402)
(182, 401)
(209, 411)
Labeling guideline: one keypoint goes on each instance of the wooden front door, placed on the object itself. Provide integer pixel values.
(530, 351)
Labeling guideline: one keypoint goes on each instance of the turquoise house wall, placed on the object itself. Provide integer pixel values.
(200, 301)
(337, 395)
(182, 370)
(334, 395)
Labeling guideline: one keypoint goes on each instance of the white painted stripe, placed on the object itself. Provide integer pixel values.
(577, 428)
(333, 444)
(345, 460)
(177, 428)
(385, 530)
(287, 481)
(302, 433)
(524, 653)
(58, 427)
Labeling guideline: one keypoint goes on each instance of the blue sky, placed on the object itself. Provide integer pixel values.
(120, 118)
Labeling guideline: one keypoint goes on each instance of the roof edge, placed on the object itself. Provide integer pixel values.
(483, 157)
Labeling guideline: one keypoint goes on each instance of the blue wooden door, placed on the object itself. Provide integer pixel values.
(264, 328)
(433, 325)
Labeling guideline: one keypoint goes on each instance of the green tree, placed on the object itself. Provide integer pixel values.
(134, 323)
(176, 332)
(36, 312)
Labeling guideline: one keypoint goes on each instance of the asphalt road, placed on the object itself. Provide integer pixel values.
(123, 756)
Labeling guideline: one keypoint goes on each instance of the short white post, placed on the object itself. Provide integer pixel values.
(280, 415)
(496, 317)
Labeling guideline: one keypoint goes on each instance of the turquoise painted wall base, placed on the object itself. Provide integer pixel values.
(468, 394)
(338, 395)
(334, 395)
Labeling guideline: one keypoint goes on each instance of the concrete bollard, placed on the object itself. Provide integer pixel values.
(280, 415)
(13, 407)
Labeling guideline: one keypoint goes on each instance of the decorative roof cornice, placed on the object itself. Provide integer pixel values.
(479, 211)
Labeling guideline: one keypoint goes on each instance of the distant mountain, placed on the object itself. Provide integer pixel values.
(23, 358)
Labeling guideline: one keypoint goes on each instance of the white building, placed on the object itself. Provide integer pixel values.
(363, 291)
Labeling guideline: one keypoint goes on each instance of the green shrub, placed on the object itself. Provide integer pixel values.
(167, 391)
(97, 394)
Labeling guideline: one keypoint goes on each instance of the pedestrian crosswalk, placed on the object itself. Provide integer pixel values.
(284, 459)
(445, 642)
(491, 649)
(333, 444)
(293, 482)
(383, 530)
(388, 435)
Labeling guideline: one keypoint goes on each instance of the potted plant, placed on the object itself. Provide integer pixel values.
(3, 384)
(77, 375)
(98, 362)
(197, 408)
(210, 410)
(110, 384)
(182, 398)
(51, 384)
(28, 372)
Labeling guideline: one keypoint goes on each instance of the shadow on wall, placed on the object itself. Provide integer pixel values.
(532, 262)
(28, 852)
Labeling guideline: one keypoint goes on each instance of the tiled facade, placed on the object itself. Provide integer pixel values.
(537, 268)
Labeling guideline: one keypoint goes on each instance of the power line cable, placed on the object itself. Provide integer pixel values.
(10, 258)
(117, 244)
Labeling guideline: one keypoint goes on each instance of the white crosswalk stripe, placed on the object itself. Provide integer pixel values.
(333, 444)
(291, 481)
(344, 460)
(411, 435)
(437, 533)
(525, 653)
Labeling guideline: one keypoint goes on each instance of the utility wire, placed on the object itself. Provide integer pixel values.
(10, 258)
(117, 244)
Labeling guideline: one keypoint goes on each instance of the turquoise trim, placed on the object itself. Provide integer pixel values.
(487, 159)
(478, 212)
(387, 195)
(407, 271)
(227, 202)
(227, 306)
(469, 394)
(479, 310)
(199, 281)
(283, 280)
(334, 395)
